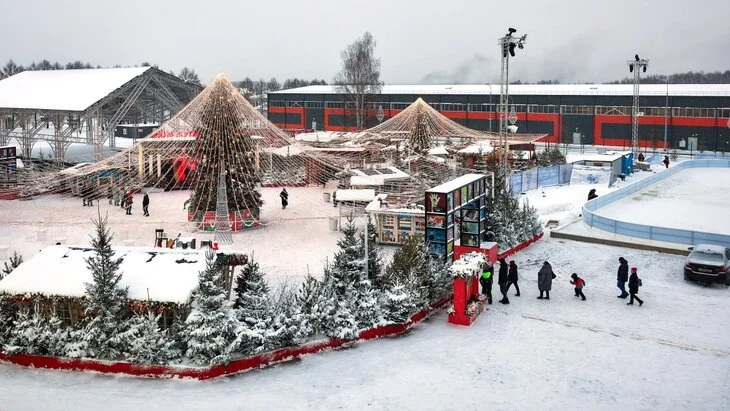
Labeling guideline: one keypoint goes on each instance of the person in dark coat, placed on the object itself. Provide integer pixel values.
(641, 157)
(545, 280)
(128, 201)
(486, 280)
(666, 161)
(284, 198)
(145, 205)
(579, 283)
(622, 277)
(592, 194)
(634, 284)
(503, 280)
(512, 277)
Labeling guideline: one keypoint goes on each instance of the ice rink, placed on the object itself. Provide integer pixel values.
(695, 199)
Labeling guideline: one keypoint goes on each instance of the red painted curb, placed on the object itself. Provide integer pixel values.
(213, 371)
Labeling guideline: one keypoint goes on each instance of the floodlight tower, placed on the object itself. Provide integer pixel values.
(636, 66)
(507, 45)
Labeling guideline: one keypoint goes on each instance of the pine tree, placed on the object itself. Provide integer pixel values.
(290, 326)
(148, 344)
(375, 260)
(104, 311)
(8, 313)
(348, 269)
(54, 334)
(440, 284)
(399, 302)
(223, 142)
(368, 311)
(253, 311)
(25, 337)
(210, 328)
(15, 261)
(309, 301)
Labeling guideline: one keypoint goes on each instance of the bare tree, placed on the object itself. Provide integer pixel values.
(273, 85)
(359, 79)
(189, 75)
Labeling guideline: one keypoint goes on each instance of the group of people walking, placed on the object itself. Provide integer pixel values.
(508, 276)
(124, 199)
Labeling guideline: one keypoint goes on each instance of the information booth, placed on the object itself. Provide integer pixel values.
(456, 214)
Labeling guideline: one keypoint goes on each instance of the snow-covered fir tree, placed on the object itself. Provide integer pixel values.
(410, 265)
(368, 310)
(253, 309)
(8, 313)
(147, 343)
(55, 334)
(106, 299)
(399, 302)
(210, 328)
(26, 334)
(312, 306)
(440, 282)
(290, 326)
(375, 260)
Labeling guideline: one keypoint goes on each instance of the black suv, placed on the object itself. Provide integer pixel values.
(708, 264)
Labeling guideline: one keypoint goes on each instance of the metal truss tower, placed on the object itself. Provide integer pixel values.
(507, 45)
(636, 66)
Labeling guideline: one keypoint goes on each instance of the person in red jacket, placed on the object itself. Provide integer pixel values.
(579, 283)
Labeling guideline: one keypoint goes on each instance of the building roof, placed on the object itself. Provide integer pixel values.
(720, 90)
(456, 183)
(169, 275)
(65, 90)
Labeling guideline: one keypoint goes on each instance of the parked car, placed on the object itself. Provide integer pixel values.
(708, 264)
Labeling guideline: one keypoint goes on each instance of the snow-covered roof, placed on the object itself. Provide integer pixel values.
(533, 89)
(68, 90)
(376, 177)
(438, 151)
(169, 275)
(607, 157)
(285, 151)
(319, 136)
(365, 195)
(75, 169)
(482, 147)
(455, 184)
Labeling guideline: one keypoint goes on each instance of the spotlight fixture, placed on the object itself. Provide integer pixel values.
(631, 68)
(512, 49)
(510, 31)
(636, 57)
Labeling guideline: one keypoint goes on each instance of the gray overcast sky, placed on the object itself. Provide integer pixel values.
(432, 41)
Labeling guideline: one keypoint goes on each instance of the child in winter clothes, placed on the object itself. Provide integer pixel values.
(579, 283)
(634, 284)
(486, 280)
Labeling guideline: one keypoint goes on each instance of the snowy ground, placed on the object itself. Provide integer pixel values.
(672, 353)
(693, 199)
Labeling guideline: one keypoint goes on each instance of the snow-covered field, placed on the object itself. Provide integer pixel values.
(562, 353)
(693, 199)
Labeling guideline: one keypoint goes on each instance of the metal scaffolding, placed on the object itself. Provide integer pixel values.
(507, 45)
(153, 96)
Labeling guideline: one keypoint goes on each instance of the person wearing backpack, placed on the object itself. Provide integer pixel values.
(486, 280)
(579, 283)
(634, 284)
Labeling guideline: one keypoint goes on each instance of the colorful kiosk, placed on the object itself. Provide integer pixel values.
(456, 214)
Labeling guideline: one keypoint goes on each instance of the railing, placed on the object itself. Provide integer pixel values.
(522, 181)
(649, 232)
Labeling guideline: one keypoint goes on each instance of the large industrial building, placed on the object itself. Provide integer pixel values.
(689, 116)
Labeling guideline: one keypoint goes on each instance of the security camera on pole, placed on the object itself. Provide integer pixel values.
(507, 45)
(636, 66)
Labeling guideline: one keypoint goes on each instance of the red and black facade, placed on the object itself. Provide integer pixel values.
(601, 119)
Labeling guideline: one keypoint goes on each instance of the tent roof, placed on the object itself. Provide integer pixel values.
(64, 90)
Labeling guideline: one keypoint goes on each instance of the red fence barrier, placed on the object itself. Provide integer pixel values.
(213, 371)
(519, 247)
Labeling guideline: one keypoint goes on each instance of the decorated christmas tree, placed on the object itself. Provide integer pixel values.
(421, 134)
(224, 143)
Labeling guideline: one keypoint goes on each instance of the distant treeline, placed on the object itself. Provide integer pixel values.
(690, 77)
(262, 86)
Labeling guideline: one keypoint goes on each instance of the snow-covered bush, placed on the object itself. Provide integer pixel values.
(253, 309)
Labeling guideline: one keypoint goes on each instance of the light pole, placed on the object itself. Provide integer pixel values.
(507, 45)
(636, 66)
